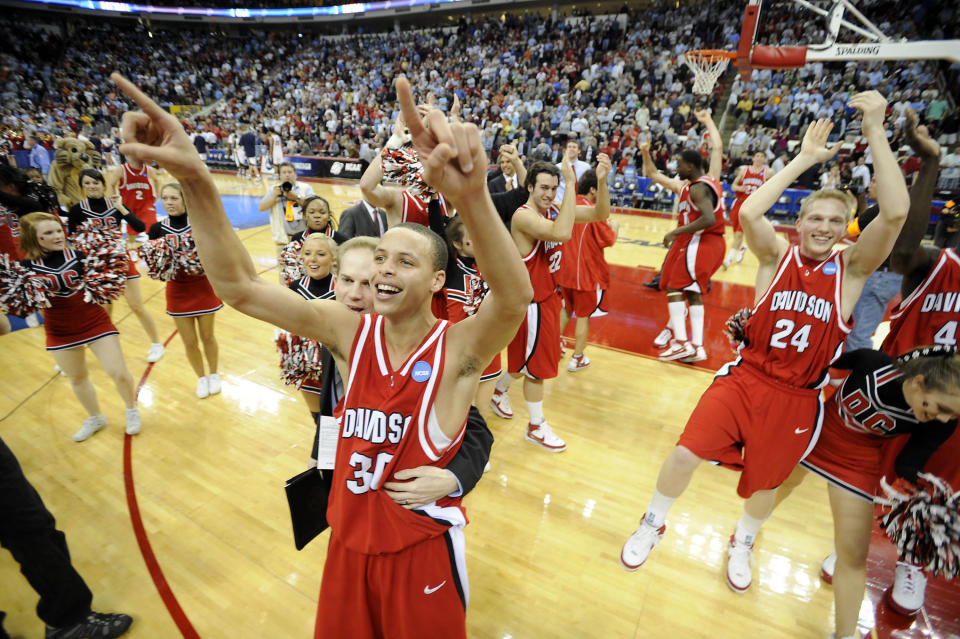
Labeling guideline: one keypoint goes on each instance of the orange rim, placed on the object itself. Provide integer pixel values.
(711, 55)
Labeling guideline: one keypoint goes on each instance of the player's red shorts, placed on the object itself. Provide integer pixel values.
(70, 322)
(535, 350)
(580, 303)
(493, 369)
(418, 593)
(145, 213)
(692, 261)
(190, 296)
(847, 458)
(750, 422)
(735, 215)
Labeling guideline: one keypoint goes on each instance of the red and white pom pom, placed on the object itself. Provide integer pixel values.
(104, 273)
(21, 290)
(299, 358)
(923, 522)
(91, 235)
(291, 269)
(736, 328)
(402, 165)
(185, 254)
(158, 256)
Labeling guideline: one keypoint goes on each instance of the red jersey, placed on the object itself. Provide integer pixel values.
(751, 181)
(543, 261)
(584, 267)
(796, 329)
(387, 423)
(135, 189)
(931, 314)
(415, 210)
(687, 212)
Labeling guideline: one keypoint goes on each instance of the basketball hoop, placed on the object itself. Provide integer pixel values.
(707, 66)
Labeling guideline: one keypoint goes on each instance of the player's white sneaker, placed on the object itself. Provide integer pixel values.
(698, 356)
(578, 363)
(500, 403)
(741, 253)
(640, 544)
(563, 348)
(133, 421)
(677, 350)
(906, 595)
(203, 387)
(739, 565)
(90, 426)
(661, 340)
(542, 435)
(827, 566)
(155, 353)
(213, 383)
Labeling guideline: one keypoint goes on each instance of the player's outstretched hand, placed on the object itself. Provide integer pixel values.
(455, 109)
(154, 135)
(815, 141)
(918, 136)
(703, 116)
(644, 148)
(420, 486)
(874, 108)
(603, 166)
(566, 170)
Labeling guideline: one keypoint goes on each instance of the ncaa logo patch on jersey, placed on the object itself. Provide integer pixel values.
(421, 371)
(830, 268)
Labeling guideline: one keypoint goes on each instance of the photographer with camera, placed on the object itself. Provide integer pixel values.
(19, 196)
(285, 202)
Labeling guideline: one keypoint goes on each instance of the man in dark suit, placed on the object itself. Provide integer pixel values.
(363, 219)
(508, 179)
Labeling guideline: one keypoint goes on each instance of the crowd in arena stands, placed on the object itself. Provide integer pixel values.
(614, 82)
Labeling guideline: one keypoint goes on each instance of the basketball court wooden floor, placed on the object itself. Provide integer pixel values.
(185, 526)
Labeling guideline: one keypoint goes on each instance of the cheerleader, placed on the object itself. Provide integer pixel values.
(316, 213)
(918, 396)
(71, 323)
(109, 214)
(191, 301)
(464, 289)
(318, 256)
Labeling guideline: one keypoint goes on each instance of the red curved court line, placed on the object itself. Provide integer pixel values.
(153, 566)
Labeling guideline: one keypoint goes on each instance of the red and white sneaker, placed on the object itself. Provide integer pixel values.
(677, 350)
(542, 435)
(661, 340)
(699, 355)
(907, 593)
(500, 403)
(563, 348)
(739, 565)
(578, 363)
(640, 544)
(827, 566)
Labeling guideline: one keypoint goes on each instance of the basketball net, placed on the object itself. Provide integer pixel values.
(707, 66)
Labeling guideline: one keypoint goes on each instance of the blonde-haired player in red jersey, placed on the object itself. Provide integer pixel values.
(136, 184)
(539, 229)
(763, 412)
(749, 178)
(410, 378)
(696, 246)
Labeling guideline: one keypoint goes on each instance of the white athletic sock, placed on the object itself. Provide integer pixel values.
(536, 412)
(747, 529)
(731, 255)
(503, 384)
(677, 321)
(657, 511)
(696, 324)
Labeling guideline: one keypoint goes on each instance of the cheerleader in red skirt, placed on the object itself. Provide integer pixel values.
(191, 301)
(71, 323)
(99, 211)
(317, 256)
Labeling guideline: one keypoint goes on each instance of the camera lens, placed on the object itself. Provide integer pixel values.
(286, 186)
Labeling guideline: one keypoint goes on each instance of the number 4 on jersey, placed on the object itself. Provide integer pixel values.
(947, 335)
